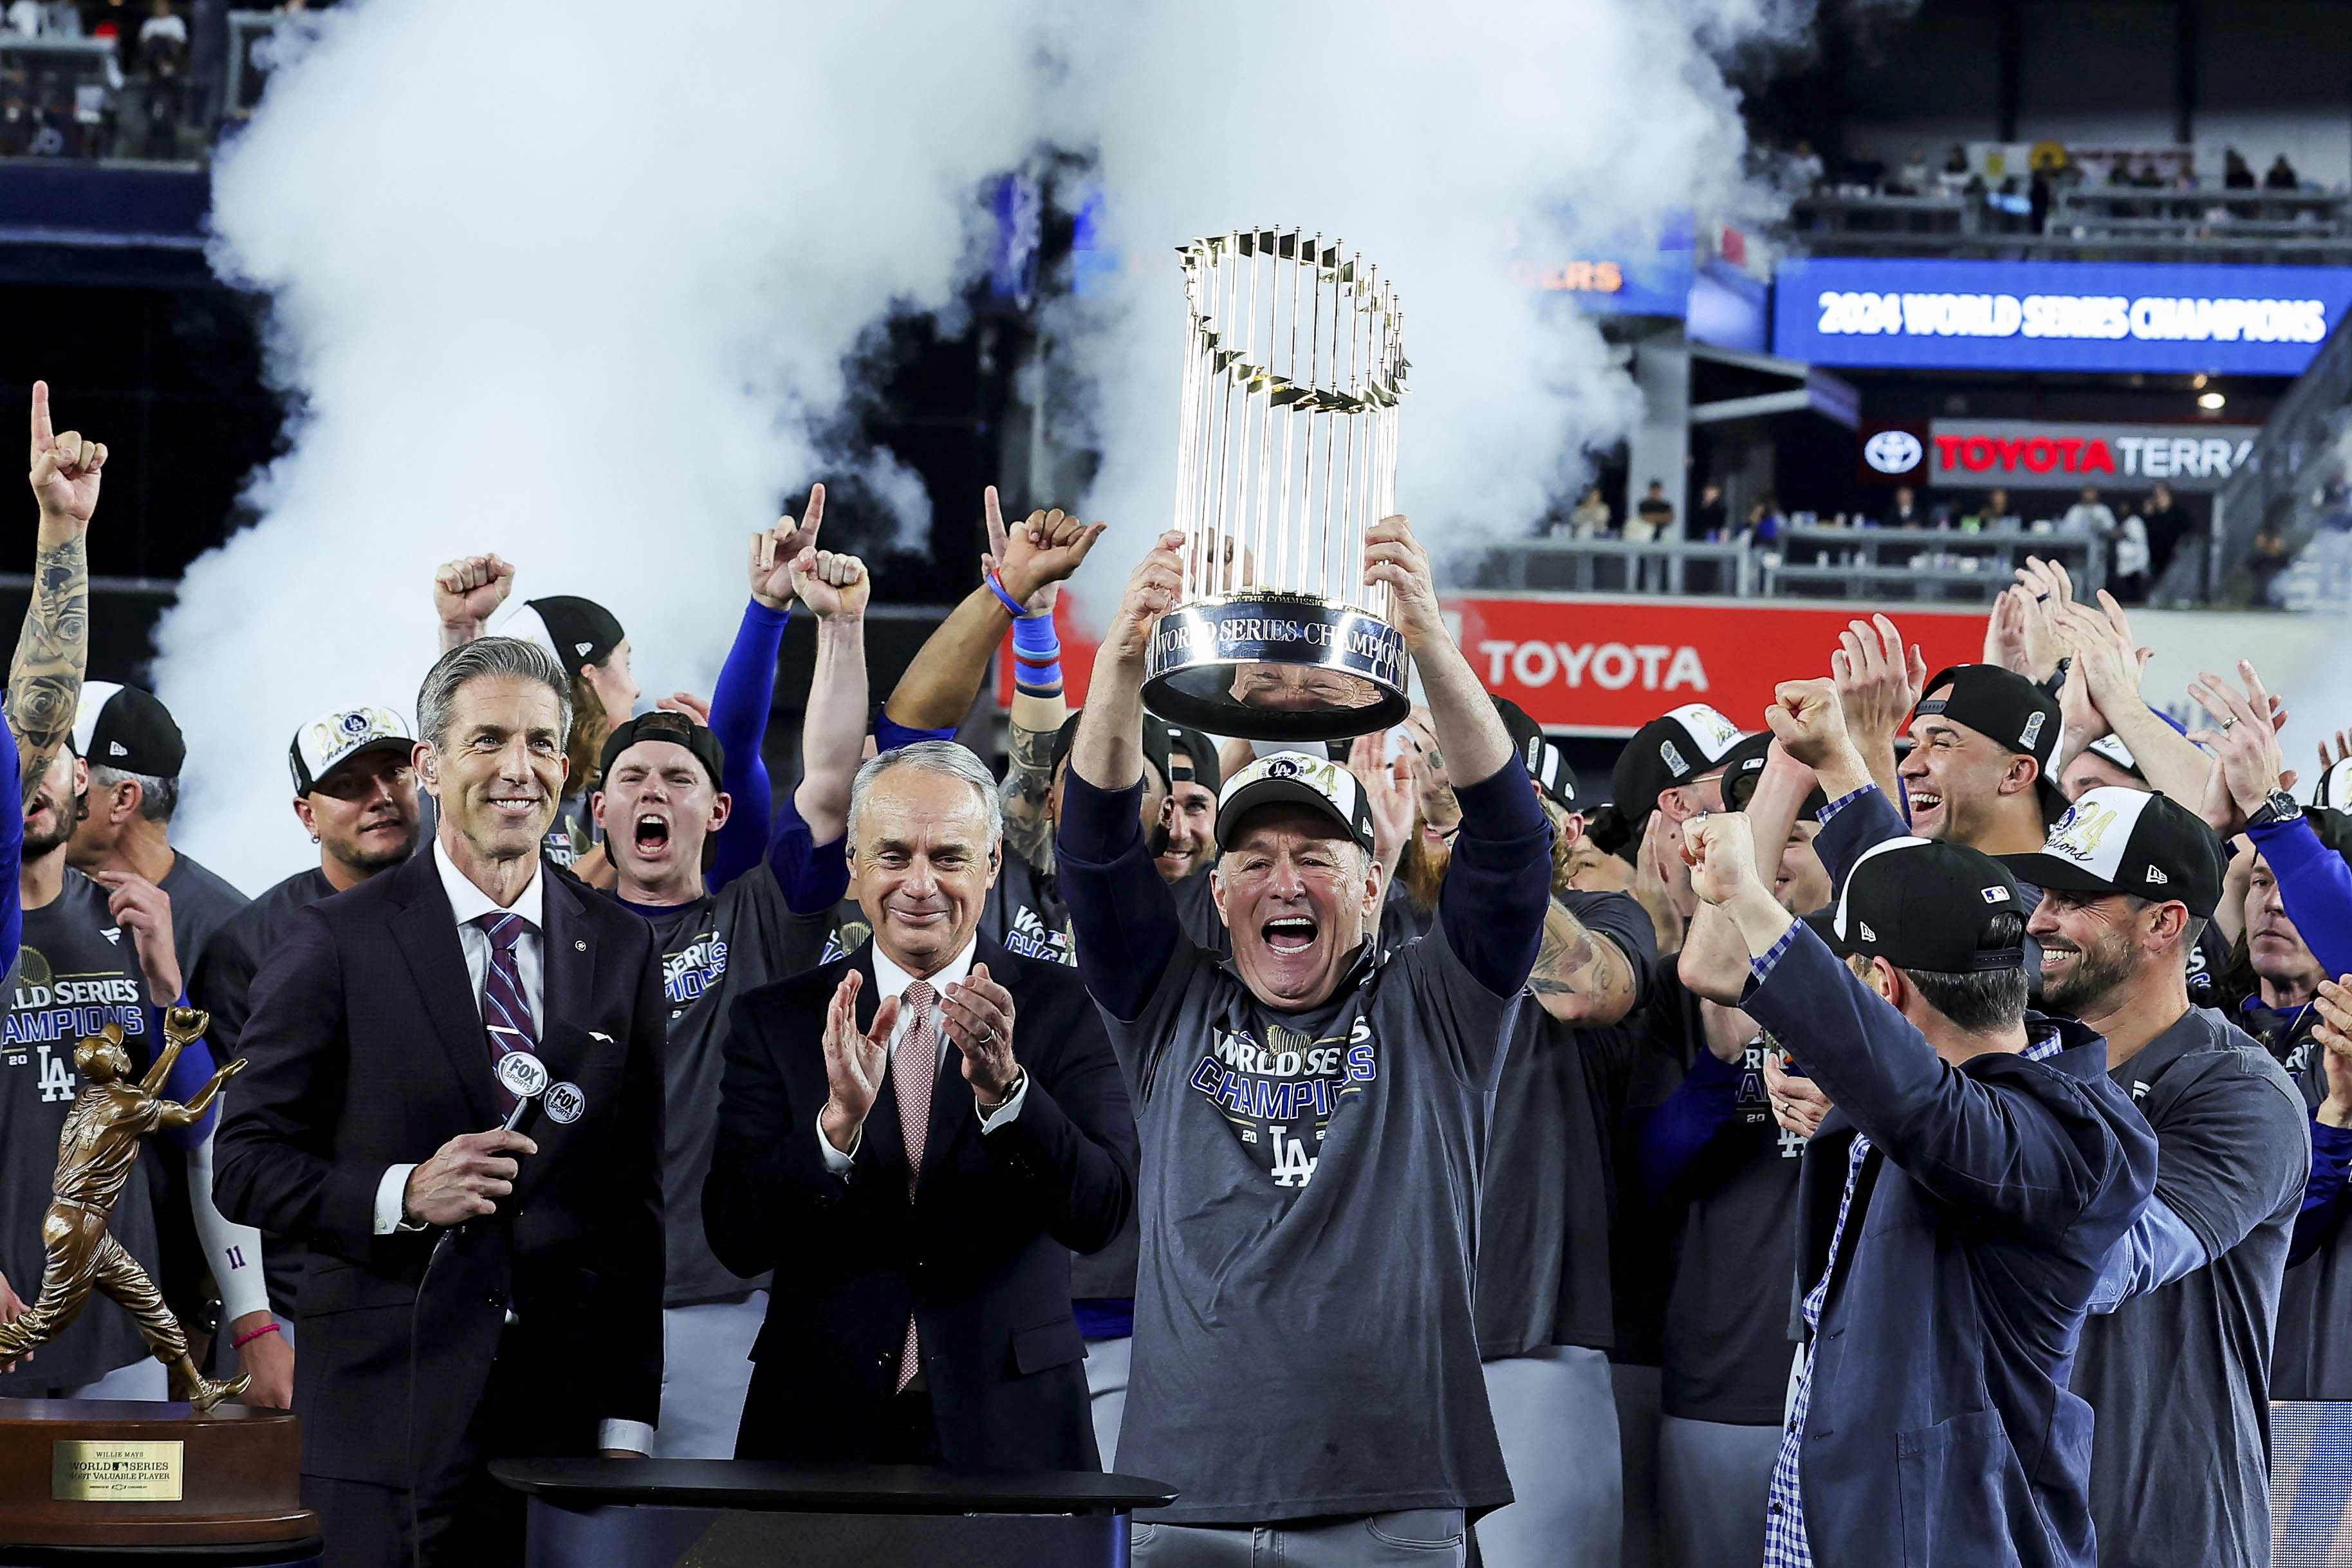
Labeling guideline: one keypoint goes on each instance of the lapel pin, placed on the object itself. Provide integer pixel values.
(578, 945)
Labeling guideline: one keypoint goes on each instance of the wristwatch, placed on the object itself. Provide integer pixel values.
(2281, 807)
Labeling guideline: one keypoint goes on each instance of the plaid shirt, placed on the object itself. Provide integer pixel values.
(1785, 1543)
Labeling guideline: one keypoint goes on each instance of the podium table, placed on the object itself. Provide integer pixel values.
(722, 1513)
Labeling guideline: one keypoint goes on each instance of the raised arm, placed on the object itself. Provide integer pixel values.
(1106, 872)
(833, 735)
(1038, 709)
(2107, 671)
(1714, 962)
(45, 677)
(1499, 885)
(2022, 1159)
(939, 687)
(1879, 683)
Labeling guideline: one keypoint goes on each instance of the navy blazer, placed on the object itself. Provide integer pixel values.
(1941, 1430)
(367, 1050)
(980, 1255)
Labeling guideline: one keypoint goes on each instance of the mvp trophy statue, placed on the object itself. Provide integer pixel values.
(1286, 457)
(88, 1473)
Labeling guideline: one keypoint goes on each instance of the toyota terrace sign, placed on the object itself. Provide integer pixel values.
(2040, 454)
(2055, 315)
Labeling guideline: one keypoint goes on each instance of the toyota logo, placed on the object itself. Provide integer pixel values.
(1892, 452)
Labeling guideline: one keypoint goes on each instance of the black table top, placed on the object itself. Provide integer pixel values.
(824, 1488)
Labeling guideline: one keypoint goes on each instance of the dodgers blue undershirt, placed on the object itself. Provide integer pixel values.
(814, 876)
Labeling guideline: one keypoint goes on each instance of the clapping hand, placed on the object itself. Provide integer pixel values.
(64, 469)
(855, 1063)
(1878, 682)
(2246, 742)
(1389, 789)
(775, 550)
(977, 1013)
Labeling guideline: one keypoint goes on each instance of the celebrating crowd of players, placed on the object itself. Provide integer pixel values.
(1908, 1124)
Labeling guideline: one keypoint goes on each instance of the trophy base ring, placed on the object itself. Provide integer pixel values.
(1276, 666)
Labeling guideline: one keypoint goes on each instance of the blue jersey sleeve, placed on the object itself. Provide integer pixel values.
(739, 718)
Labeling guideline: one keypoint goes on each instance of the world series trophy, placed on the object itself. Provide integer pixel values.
(94, 1473)
(1286, 457)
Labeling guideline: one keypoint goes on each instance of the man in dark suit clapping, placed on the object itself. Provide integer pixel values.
(921, 1308)
(368, 1127)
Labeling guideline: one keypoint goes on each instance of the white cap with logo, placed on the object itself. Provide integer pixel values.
(337, 736)
(1298, 777)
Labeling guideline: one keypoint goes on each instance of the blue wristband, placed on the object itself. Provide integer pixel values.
(996, 586)
(1034, 641)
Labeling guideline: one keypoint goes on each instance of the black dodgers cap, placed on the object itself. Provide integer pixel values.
(2115, 840)
(576, 630)
(337, 736)
(1743, 769)
(1298, 777)
(1155, 744)
(663, 725)
(1671, 750)
(1921, 903)
(1541, 758)
(128, 730)
(2006, 708)
(1207, 773)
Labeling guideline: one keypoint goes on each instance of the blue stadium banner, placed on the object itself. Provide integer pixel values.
(2057, 315)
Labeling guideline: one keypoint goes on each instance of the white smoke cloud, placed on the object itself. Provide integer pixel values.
(570, 280)
(566, 279)
(1441, 143)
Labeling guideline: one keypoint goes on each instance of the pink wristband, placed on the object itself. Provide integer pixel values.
(244, 1340)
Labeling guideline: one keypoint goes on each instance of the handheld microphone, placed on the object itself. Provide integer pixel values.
(532, 1079)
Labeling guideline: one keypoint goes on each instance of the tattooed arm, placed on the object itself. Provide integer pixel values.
(1028, 775)
(45, 677)
(1580, 976)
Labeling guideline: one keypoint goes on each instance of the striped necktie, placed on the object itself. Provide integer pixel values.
(506, 1010)
(913, 1065)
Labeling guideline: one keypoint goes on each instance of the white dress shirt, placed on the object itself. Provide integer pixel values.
(890, 980)
(470, 904)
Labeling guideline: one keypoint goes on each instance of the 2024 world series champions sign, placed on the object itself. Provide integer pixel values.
(1286, 457)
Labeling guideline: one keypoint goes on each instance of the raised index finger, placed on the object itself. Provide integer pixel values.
(44, 433)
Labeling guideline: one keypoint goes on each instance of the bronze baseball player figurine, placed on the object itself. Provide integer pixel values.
(95, 1154)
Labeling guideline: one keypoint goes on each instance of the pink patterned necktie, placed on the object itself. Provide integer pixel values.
(912, 1067)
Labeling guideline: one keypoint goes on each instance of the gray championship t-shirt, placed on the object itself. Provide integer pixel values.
(1025, 914)
(1733, 1215)
(713, 950)
(202, 903)
(1543, 1216)
(1304, 1343)
(76, 972)
(2180, 1377)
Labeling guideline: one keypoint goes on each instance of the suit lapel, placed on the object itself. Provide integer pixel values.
(567, 952)
(426, 929)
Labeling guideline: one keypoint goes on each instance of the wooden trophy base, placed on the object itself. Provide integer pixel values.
(127, 1473)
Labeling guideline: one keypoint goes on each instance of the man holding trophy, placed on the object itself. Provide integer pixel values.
(1311, 1117)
